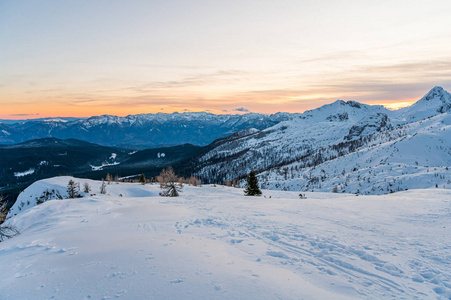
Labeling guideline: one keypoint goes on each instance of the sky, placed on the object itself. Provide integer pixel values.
(81, 58)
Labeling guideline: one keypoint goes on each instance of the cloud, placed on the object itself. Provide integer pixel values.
(296, 90)
(23, 115)
(193, 81)
(242, 108)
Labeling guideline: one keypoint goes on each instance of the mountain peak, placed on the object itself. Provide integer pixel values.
(341, 110)
(436, 92)
(440, 96)
(436, 101)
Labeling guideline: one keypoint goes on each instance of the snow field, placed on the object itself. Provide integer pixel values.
(215, 243)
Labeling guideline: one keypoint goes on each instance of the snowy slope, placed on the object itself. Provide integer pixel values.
(358, 148)
(28, 198)
(414, 156)
(214, 243)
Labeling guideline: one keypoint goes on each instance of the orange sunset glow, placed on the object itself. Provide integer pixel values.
(265, 57)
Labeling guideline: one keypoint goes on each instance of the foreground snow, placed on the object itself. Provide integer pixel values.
(214, 243)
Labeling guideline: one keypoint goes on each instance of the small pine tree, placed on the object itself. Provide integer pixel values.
(73, 189)
(103, 187)
(142, 179)
(86, 188)
(252, 188)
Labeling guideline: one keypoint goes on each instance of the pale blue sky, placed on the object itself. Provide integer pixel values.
(119, 57)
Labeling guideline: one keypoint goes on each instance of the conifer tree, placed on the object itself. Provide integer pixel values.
(86, 188)
(73, 189)
(142, 179)
(252, 188)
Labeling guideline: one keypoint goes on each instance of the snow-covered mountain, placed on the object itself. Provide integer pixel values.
(355, 147)
(141, 131)
(346, 145)
(435, 102)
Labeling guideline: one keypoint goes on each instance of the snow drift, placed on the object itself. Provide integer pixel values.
(215, 243)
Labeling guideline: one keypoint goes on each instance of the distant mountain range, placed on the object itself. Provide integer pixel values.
(344, 146)
(353, 147)
(140, 131)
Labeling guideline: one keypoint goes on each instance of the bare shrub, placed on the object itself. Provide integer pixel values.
(48, 195)
(3, 210)
(170, 183)
(108, 178)
(6, 231)
(194, 181)
(103, 187)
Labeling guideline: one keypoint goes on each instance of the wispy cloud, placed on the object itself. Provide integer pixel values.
(23, 115)
(242, 109)
(191, 81)
(225, 91)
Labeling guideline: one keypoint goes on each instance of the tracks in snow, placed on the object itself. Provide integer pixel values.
(295, 246)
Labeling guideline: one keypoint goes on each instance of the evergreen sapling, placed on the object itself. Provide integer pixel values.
(252, 188)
